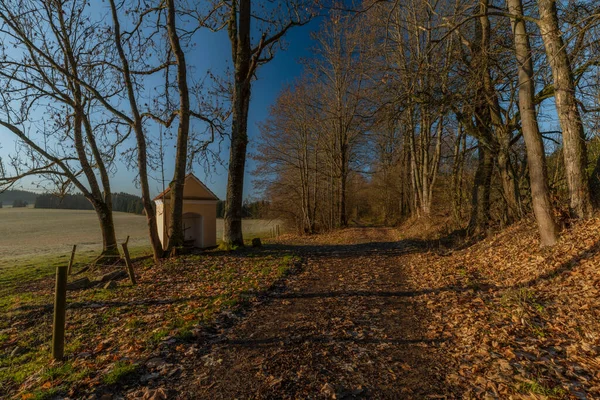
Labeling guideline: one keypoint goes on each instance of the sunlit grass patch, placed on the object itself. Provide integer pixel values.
(120, 371)
(539, 388)
(170, 304)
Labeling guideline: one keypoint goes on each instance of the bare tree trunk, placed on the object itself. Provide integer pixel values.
(136, 124)
(343, 221)
(480, 211)
(510, 187)
(406, 197)
(239, 34)
(574, 148)
(536, 159)
(457, 175)
(107, 226)
(105, 213)
(176, 235)
(432, 173)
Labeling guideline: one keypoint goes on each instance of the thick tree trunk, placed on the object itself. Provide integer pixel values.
(104, 209)
(239, 35)
(176, 235)
(510, 187)
(574, 147)
(107, 227)
(480, 211)
(538, 174)
(232, 233)
(595, 185)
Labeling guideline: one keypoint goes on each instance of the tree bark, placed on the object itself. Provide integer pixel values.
(136, 124)
(239, 34)
(343, 221)
(510, 187)
(176, 235)
(457, 174)
(480, 211)
(574, 147)
(107, 226)
(538, 174)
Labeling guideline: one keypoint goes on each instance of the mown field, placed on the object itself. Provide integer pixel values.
(34, 241)
(27, 233)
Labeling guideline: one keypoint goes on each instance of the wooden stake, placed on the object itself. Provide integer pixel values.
(71, 260)
(128, 262)
(60, 308)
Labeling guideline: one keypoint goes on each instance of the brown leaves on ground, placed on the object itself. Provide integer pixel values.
(369, 316)
(112, 332)
(524, 321)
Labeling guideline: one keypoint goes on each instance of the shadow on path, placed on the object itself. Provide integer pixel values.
(347, 325)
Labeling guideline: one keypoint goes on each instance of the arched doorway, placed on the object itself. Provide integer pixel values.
(193, 229)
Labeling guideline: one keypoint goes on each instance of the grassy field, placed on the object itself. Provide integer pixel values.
(27, 234)
(34, 241)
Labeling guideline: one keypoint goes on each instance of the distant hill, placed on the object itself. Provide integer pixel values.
(7, 198)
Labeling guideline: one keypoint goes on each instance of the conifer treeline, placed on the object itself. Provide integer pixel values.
(250, 209)
(123, 202)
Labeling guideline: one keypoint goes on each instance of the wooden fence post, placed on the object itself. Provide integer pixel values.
(128, 262)
(60, 308)
(71, 260)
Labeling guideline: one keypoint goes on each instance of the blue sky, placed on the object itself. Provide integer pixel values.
(212, 51)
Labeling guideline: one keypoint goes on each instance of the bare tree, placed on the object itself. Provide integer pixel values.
(288, 157)
(247, 57)
(538, 175)
(574, 147)
(135, 122)
(52, 49)
(339, 69)
(184, 113)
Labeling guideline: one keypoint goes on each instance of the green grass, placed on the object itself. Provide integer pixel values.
(44, 394)
(227, 247)
(15, 274)
(206, 285)
(58, 372)
(157, 336)
(120, 371)
(536, 387)
(17, 369)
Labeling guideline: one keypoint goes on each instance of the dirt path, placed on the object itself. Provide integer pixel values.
(345, 327)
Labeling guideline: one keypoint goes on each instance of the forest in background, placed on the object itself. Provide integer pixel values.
(123, 202)
(481, 112)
